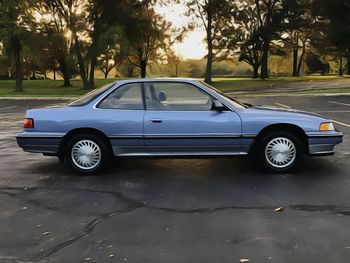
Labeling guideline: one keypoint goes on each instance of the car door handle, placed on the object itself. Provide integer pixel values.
(156, 120)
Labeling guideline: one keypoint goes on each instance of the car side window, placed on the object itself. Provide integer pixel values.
(127, 97)
(173, 96)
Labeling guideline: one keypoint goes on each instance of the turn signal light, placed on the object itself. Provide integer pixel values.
(326, 126)
(28, 123)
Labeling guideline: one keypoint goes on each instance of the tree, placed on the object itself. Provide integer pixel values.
(15, 22)
(107, 29)
(107, 62)
(269, 16)
(337, 15)
(74, 14)
(249, 44)
(173, 62)
(256, 24)
(60, 55)
(147, 39)
(299, 26)
(213, 14)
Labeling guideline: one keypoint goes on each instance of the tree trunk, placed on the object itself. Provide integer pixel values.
(65, 72)
(54, 74)
(209, 68)
(107, 68)
(340, 66)
(130, 71)
(83, 75)
(295, 62)
(255, 71)
(92, 72)
(265, 60)
(208, 71)
(143, 66)
(301, 58)
(348, 66)
(18, 64)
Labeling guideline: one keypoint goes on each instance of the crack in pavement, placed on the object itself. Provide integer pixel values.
(133, 204)
(15, 260)
(31, 201)
(87, 230)
(332, 209)
(336, 209)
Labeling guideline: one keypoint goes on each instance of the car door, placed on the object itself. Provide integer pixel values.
(121, 115)
(179, 120)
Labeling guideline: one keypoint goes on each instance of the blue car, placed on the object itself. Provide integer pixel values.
(173, 117)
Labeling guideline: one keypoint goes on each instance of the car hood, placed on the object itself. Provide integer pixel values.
(280, 114)
(268, 108)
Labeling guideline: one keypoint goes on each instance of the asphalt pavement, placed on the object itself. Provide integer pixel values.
(175, 210)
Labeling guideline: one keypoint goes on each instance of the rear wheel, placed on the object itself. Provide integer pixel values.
(280, 151)
(87, 153)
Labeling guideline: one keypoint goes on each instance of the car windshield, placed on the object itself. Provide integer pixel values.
(236, 102)
(87, 98)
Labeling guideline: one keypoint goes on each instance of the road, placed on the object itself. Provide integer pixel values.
(175, 210)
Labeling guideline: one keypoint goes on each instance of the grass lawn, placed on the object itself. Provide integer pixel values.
(51, 88)
(248, 84)
(47, 88)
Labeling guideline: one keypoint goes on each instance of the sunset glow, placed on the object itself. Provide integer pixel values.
(192, 47)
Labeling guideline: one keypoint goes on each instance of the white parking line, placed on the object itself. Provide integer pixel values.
(341, 123)
(339, 103)
(7, 108)
(282, 105)
(334, 111)
(335, 121)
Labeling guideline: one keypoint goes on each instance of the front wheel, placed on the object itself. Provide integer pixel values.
(280, 151)
(86, 153)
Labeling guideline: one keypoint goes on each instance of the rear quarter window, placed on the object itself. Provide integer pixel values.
(89, 97)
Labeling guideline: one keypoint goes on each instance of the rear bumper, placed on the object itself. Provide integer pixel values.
(323, 144)
(39, 144)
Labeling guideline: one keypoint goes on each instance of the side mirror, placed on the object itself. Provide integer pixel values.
(218, 106)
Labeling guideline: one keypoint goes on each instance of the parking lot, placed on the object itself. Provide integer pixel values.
(175, 210)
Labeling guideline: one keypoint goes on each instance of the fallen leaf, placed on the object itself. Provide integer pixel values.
(39, 226)
(46, 233)
(111, 256)
(242, 260)
(87, 259)
(279, 209)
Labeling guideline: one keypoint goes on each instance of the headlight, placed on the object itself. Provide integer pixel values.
(326, 126)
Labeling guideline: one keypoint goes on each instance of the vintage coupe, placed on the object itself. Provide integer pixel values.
(173, 117)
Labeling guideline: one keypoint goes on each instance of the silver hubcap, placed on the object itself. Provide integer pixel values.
(280, 152)
(86, 154)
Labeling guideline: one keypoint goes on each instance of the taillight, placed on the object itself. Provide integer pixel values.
(28, 123)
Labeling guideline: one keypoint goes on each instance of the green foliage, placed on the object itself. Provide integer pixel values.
(128, 38)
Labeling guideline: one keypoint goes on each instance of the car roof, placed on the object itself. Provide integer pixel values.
(156, 79)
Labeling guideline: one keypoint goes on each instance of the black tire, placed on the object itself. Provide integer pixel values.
(95, 141)
(270, 162)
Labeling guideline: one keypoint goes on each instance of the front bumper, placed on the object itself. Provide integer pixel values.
(324, 143)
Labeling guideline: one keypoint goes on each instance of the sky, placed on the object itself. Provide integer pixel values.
(192, 47)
